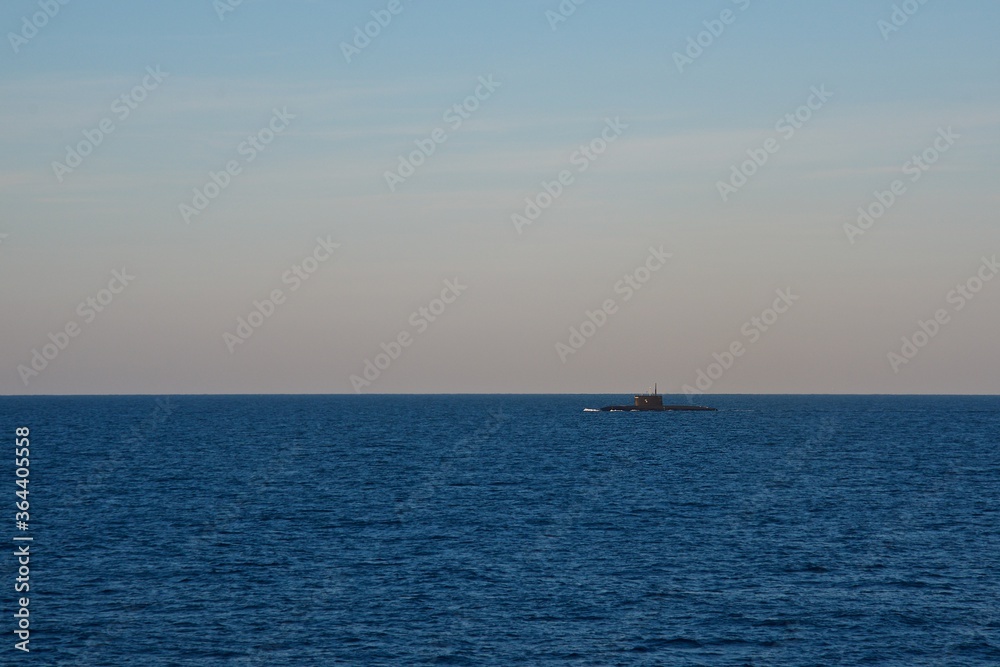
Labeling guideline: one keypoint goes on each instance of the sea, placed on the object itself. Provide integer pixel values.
(506, 530)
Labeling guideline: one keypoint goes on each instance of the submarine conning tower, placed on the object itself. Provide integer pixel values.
(647, 401)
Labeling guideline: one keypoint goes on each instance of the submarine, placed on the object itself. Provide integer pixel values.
(653, 402)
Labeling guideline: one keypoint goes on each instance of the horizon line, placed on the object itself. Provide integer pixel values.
(109, 395)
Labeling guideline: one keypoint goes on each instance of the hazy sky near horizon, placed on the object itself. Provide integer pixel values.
(278, 70)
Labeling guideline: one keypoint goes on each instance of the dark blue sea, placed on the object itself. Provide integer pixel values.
(508, 530)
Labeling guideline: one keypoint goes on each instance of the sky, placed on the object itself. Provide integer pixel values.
(531, 196)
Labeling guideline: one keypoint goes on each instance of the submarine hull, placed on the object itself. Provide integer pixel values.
(653, 402)
(657, 408)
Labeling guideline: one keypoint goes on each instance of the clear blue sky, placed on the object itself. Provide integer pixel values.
(656, 185)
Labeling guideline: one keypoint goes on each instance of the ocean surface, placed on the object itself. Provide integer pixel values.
(509, 530)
